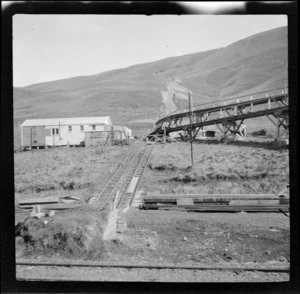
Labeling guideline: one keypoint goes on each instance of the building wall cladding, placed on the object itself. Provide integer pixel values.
(73, 137)
(26, 135)
(109, 133)
(34, 136)
(70, 134)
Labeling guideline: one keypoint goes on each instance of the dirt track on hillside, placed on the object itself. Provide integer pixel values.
(169, 98)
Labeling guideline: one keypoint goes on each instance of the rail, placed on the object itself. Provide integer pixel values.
(154, 266)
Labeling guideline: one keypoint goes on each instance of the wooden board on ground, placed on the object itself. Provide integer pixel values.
(210, 196)
(213, 198)
(55, 206)
(254, 202)
(132, 185)
(220, 208)
(185, 201)
(39, 200)
(68, 201)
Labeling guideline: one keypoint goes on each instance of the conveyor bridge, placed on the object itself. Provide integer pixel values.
(227, 115)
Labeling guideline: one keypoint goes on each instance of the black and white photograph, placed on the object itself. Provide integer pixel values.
(151, 148)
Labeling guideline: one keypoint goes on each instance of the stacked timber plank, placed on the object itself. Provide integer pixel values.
(217, 202)
(51, 202)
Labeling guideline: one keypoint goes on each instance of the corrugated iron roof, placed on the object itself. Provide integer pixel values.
(67, 121)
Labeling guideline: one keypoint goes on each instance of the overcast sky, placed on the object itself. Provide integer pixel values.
(53, 47)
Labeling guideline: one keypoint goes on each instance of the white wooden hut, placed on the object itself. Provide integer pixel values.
(60, 131)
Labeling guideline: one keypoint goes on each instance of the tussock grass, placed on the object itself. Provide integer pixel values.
(65, 170)
(217, 169)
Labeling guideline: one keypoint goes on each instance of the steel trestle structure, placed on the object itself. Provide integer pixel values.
(228, 115)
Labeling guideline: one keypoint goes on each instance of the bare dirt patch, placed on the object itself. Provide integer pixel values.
(203, 238)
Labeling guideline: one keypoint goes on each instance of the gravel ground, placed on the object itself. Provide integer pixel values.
(143, 275)
(191, 239)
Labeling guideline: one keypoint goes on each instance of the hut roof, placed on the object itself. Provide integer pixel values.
(67, 121)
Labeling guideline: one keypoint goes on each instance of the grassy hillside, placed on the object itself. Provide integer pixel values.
(133, 96)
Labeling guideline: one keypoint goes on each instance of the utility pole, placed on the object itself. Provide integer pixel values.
(191, 131)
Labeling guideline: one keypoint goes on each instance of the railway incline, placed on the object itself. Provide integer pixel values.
(121, 187)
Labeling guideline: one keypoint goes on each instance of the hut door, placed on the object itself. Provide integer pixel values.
(33, 135)
(54, 133)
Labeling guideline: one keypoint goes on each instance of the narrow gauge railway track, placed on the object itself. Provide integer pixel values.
(155, 266)
(138, 170)
(132, 166)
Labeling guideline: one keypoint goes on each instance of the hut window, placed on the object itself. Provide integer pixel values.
(93, 127)
(81, 128)
(54, 131)
(70, 128)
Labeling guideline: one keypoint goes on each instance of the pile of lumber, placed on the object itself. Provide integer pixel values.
(51, 202)
(217, 202)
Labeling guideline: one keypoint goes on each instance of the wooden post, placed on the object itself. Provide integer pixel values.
(224, 130)
(191, 132)
(30, 137)
(21, 129)
(235, 132)
(277, 128)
